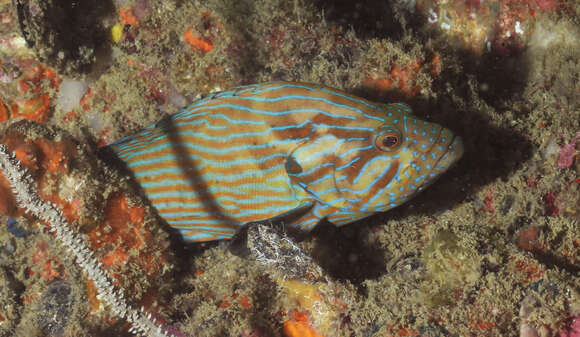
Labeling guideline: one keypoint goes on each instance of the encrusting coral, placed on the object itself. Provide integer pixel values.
(27, 197)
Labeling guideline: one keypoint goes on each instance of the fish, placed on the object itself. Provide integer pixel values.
(292, 152)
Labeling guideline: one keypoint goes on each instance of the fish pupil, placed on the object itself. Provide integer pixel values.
(390, 141)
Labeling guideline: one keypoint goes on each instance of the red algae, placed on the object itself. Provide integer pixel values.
(298, 326)
(196, 42)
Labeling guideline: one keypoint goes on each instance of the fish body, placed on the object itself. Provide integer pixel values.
(287, 151)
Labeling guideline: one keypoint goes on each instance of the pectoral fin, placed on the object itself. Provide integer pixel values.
(311, 168)
(341, 218)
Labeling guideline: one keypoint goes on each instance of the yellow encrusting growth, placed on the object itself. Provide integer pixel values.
(116, 33)
(308, 297)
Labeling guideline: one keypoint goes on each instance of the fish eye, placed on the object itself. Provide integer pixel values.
(388, 141)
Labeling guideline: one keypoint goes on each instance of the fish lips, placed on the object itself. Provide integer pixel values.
(448, 158)
(453, 153)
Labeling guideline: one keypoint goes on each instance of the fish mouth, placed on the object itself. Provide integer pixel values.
(451, 155)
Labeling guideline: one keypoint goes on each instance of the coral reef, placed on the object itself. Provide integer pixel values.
(27, 196)
(491, 249)
(44, 178)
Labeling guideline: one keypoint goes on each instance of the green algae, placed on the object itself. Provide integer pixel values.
(449, 266)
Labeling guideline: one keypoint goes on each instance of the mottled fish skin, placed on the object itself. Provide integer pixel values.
(288, 151)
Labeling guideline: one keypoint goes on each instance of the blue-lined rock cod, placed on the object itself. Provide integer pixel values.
(285, 151)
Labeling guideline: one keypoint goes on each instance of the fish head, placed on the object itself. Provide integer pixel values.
(375, 170)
